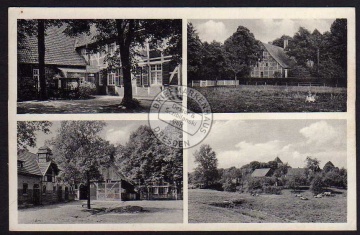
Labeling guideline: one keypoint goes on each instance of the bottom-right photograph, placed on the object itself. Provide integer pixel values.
(270, 171)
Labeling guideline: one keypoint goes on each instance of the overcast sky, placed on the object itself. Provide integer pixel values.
(115, 132)
(237, 143)
(264, 30)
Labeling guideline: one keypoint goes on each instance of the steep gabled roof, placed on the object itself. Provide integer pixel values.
(30, 164)
(59, 49)
(279, 55)
(261, 172)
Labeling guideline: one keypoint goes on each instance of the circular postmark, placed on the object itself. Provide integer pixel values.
(173, 123)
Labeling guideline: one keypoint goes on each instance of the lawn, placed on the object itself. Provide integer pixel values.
(205, 206)
(74, 213)
(248, 98)
(98, 104)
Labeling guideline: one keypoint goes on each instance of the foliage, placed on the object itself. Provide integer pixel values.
(332, 178)
(206, 171)
(213, 60)
(317, 184)
(79, 149)
(241, 51)
(327, 51)
(86, 90)
(281, 170)
(254, 183)
(280, 41)
(328, 167)
(146, 160)
(254, 165)
(296, 180)
(272, 190)
(26, 89)
(313, 164)
(195, 53)
(229, 186)
(26, 132)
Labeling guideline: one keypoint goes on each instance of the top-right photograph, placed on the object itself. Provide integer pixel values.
(268, 65)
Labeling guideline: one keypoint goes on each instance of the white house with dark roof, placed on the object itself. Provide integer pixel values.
(273, 64)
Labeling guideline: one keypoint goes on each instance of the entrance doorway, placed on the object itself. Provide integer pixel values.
(83, 192)
(36, 194)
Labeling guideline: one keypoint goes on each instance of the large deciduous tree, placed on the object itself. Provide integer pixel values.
(80, 151)
(241, 51)
(195, 53)
(26, 133)
(130, 35)
(145, 160)
(206, 171)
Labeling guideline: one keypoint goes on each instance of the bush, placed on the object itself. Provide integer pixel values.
(254, 183)
(229, 186)
(272, 190)
(86, 90)
(317, 185)
(27, 90)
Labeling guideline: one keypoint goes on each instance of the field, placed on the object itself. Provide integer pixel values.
(210, 206)
(248, 98)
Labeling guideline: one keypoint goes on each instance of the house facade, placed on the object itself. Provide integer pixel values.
(155, 71)
(37, 179)
(274, 62)
(64, 67)
(70, 64)
(113, 187)
(161, 191)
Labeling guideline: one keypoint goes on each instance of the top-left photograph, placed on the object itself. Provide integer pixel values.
(96, 66)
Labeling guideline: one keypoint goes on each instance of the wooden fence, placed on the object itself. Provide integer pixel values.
(208, 83)
(212, 83)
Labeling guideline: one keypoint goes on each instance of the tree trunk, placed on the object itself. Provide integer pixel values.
(123, 41)
(41, 54)
(88, 189)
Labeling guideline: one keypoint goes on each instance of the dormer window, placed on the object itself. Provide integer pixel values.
(20, 164)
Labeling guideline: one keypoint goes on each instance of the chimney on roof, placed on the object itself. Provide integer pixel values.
(286, 43)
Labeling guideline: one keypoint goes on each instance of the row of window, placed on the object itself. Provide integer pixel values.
(113, 79)
(160, 190)
(26, 187)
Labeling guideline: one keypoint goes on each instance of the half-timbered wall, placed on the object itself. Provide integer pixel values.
(266, 67)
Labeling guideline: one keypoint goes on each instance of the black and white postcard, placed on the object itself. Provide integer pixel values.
(182, 119)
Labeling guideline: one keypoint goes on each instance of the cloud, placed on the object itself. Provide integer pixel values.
(211, 30)
(116, 136)
(319, 133)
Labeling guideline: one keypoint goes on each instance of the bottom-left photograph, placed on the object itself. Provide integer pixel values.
(74, 172)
